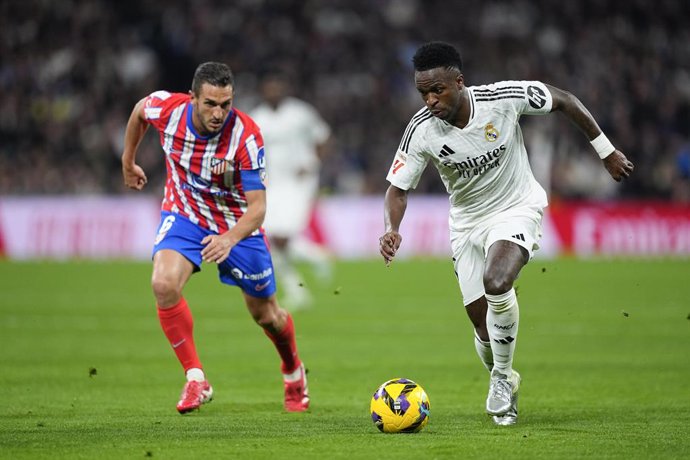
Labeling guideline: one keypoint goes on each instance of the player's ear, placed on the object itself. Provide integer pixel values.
(460, 80)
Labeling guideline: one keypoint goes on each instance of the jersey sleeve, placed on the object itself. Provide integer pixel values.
(318, 128)
(158, 106)
(409, 164)
(253, 179)
(537, 98)
(251, 163)
(250, 155)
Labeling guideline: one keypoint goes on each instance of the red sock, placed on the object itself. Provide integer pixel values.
(178, 326)
(285, 344)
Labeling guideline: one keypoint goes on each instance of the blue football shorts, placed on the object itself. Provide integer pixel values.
(248, 266)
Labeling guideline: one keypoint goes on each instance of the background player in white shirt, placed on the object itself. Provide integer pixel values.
(472, 136)
(295, 137)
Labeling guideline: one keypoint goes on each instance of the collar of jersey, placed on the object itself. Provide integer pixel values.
(190, 124)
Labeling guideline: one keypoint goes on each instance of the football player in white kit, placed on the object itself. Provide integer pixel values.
(295, 137)
(472, 136)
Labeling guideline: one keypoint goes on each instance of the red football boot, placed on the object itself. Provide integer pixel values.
(296, 392)
(194, 394)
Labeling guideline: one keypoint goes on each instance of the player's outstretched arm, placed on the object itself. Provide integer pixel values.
(133, 174)
(615, 162)
(395, 204)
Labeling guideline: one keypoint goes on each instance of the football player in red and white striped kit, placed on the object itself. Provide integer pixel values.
(212, 211)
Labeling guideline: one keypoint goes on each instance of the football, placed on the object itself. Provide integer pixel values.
(400, 406)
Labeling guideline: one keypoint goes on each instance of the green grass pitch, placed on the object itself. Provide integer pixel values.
(604, 351)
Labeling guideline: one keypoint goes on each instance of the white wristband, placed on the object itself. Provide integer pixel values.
(602, 145)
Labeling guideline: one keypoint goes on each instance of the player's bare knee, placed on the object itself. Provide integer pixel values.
(165, 290)
(269, 316)
(497, 283)
(267, 320)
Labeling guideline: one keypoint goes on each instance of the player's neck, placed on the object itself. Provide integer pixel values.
(463, 116)
(196, 124)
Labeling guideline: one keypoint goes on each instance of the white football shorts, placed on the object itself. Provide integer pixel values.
(289, 205)
(521, 226)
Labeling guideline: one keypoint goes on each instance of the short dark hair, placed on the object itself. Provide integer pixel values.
(214, 73)
(436, 54)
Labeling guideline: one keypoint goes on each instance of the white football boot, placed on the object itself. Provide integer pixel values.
(502, 398)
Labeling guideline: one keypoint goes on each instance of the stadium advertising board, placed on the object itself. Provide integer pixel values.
(78, 227)
(628, 228)
(110, 227)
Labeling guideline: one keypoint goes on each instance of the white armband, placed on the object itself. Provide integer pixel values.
(602, 145)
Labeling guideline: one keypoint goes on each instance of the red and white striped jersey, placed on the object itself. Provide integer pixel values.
(203, 172)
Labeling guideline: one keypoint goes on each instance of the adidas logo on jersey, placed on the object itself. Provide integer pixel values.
(445, 151)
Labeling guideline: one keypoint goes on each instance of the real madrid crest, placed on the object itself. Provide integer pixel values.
(490, 133)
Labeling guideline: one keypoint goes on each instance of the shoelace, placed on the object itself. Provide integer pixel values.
(502, 390)
(192, 390)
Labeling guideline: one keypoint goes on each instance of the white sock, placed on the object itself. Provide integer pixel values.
(502, 320)
(484, 352)
(294, 375)
(292, 282)
(195, 374)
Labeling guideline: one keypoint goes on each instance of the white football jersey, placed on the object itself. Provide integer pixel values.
(484, 165)
(291, 133)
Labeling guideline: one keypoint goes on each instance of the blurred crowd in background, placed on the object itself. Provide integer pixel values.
(71, 71)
